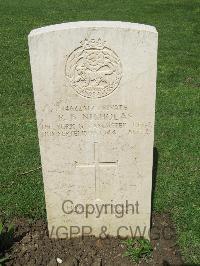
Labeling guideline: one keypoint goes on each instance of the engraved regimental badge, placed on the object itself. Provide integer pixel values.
(93, 70)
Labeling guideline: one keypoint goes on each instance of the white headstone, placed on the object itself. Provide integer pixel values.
(94, 88)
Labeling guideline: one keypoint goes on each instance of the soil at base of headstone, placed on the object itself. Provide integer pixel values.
(32, 246)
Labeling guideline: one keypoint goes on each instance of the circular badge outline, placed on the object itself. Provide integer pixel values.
(91, 97)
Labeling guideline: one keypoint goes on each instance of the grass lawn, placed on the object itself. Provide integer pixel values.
(177, 109)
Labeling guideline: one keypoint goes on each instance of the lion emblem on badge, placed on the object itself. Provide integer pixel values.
(93, 70)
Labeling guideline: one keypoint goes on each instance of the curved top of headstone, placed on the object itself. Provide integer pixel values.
(96, 24)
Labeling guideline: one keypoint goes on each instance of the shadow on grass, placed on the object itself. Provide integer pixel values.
(154, 180)
(154, 173)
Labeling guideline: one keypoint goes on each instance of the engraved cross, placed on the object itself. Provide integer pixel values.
(96, 164)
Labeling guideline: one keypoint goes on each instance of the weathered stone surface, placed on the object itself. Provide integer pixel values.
(94, 88)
